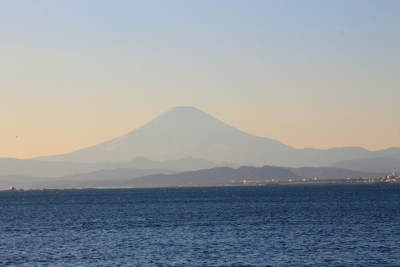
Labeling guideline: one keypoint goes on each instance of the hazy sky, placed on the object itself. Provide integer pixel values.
(315, 74)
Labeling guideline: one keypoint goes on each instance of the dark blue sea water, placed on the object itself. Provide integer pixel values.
(291, 225)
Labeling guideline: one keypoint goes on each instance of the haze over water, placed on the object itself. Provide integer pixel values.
(293, 225)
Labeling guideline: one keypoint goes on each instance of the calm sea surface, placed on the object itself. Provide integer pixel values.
(291, 225)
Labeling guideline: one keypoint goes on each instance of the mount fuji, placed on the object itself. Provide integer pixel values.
(189, 132)
(178, 133)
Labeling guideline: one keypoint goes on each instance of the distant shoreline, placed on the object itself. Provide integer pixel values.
(313, 182)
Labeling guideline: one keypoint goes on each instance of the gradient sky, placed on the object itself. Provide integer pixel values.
(315, 74)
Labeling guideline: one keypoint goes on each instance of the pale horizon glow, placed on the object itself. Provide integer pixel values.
(317, 74)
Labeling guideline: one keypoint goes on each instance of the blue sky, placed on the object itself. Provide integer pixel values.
(309, 73)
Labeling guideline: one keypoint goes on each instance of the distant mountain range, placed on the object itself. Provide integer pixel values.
(231, 176)
(181, 147)
(215, 176)
(101, 178)
(188, 132)
(28, 167)
(121, 177)
(324, 173)
(380, 164)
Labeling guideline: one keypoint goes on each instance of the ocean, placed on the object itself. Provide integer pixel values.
(277, 225)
